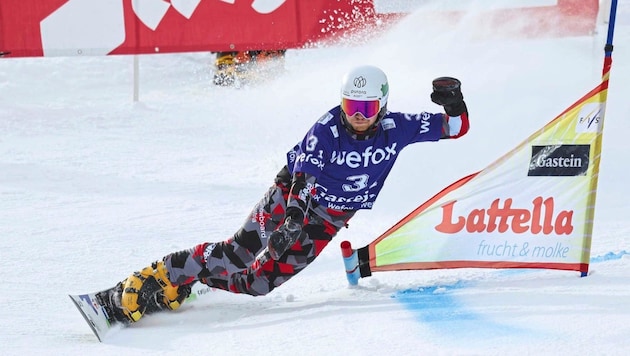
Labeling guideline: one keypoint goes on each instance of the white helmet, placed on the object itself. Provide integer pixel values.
(366, 83)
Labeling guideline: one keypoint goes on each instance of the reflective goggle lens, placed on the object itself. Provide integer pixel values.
(366, 108)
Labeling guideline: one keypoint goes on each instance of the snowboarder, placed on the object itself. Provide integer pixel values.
(338, 168)
(238, 68)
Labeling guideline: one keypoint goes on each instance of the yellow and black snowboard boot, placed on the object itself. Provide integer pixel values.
(225, 69)
(150, 290)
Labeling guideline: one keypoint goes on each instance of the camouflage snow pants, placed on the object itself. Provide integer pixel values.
(231, 265)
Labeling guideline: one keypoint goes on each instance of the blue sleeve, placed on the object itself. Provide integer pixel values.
(419, 127)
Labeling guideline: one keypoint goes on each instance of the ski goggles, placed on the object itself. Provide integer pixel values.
(366, 108)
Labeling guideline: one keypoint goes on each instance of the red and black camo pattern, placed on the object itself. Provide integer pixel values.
(231, 265)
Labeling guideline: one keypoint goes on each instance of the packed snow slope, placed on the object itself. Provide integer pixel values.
(94, 186)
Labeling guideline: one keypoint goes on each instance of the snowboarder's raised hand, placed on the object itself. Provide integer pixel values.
(447, 92)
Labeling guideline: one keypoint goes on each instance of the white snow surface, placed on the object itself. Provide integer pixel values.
(94, 186)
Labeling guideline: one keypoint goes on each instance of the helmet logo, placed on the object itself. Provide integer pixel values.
(360, 82)
(385, 89)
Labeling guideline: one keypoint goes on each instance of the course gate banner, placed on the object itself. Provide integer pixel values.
(532, 208)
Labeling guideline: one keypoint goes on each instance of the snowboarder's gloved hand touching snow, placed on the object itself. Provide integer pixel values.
(447, 92)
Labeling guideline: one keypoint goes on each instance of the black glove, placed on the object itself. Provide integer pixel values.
(284, 237)
(447, 92)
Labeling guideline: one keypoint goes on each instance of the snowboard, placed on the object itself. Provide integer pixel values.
(96, 312)
(101, 316)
